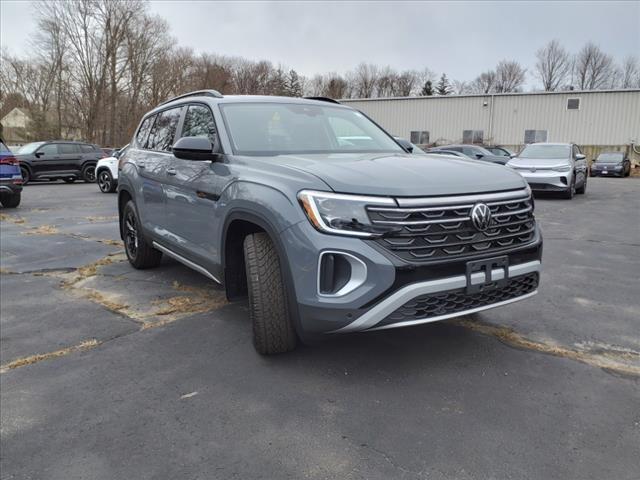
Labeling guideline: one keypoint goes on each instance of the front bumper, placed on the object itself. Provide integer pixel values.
(609, 171)
(396, 293)
(547, 180)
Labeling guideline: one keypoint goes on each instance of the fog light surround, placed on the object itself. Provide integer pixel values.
(339, 273)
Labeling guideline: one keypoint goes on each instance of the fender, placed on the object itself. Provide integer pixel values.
(274, 234)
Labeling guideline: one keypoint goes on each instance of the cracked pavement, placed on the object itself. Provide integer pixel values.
(108, 372)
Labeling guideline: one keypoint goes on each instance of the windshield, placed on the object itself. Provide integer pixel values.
(545, 151)
(3, 148)
(609, 157)
(30, 147)
(290, 128)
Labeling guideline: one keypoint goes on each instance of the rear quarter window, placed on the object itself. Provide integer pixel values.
(143, 132)
(87, 148)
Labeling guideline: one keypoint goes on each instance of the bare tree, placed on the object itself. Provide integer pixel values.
(629, 73)
(365, 78)
(484, 83)
(407, 82)
(510, 76)
(594, 69)
(553, 66)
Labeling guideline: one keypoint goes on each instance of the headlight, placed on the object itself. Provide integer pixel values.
(562, 168)
(343, 214)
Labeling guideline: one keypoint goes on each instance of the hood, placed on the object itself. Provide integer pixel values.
(539, 163)
(403, 175)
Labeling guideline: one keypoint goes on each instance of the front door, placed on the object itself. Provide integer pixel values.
(192, 190)
(46, 160)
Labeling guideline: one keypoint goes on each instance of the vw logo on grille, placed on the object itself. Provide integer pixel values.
(481, 216)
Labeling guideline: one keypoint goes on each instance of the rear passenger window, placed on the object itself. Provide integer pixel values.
(68, 148)
(143, 133)
(198, 122)
(164, 130)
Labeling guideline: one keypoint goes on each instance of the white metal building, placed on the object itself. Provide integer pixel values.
(595, 120)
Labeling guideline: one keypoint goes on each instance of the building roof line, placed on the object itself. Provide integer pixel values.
(484, 95)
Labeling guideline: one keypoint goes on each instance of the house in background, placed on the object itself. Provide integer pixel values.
(18, 127)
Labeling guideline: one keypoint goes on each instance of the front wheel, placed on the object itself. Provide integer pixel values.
(273, 330)
(10, 201)
(583, 188)
(105, 182)
(139, 252)
(89, 173)
(571, 191)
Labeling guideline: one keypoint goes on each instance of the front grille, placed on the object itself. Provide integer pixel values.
(445, 231)
(456, 301)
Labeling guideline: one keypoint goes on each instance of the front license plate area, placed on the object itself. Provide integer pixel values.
(489, 274)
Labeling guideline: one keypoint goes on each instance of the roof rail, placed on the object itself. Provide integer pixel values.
(197, 93)
(323, 99)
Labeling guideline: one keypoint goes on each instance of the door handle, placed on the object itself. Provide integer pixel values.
(171, 171)
(141, 165)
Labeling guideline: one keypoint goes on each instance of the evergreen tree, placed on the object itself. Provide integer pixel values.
(427, 89)
(294, 89)
(443, 87)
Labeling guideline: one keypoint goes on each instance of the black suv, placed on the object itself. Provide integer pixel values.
(54, 160)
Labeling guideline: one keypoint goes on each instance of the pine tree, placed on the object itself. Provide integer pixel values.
(443, 87)
(294, 89)
(427, 89)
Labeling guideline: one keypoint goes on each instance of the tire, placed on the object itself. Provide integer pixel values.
(571, 191)
(273, 330)
(139, 252)
(26, 175)
(69, 179)
(628, 171)
(105, 182)
(89, 173)
(10, 201)
(583, 189)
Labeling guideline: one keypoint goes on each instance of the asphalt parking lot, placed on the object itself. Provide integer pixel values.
(108, 373)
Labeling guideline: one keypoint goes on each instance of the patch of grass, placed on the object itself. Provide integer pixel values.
(30, 360)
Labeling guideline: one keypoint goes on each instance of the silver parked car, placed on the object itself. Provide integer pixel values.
(553, 167)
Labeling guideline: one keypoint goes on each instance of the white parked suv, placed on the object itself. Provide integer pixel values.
(107, 171)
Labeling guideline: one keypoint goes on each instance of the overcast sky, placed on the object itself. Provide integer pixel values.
(459, 38)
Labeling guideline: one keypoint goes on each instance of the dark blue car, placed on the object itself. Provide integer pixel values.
(10, 178)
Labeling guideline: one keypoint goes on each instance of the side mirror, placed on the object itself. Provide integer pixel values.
(405, 144)
(39, 154)
(194, 148)
(580, 157)
(513, 155)
(479, 155)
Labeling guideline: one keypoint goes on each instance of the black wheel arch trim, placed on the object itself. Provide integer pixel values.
(269, 228)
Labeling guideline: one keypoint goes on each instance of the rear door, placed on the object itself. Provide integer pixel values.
(152, 161)
(46, 160)
(70, 157)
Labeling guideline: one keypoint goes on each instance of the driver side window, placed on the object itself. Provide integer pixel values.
(48, 149)
(198, 122)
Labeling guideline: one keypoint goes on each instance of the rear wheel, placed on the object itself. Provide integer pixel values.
(139, 252)
(89, 173)
(105, 182)
(10, 201)
(26, 175)
(273, 330)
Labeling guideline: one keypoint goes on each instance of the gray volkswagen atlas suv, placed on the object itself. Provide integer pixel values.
(320, 218)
